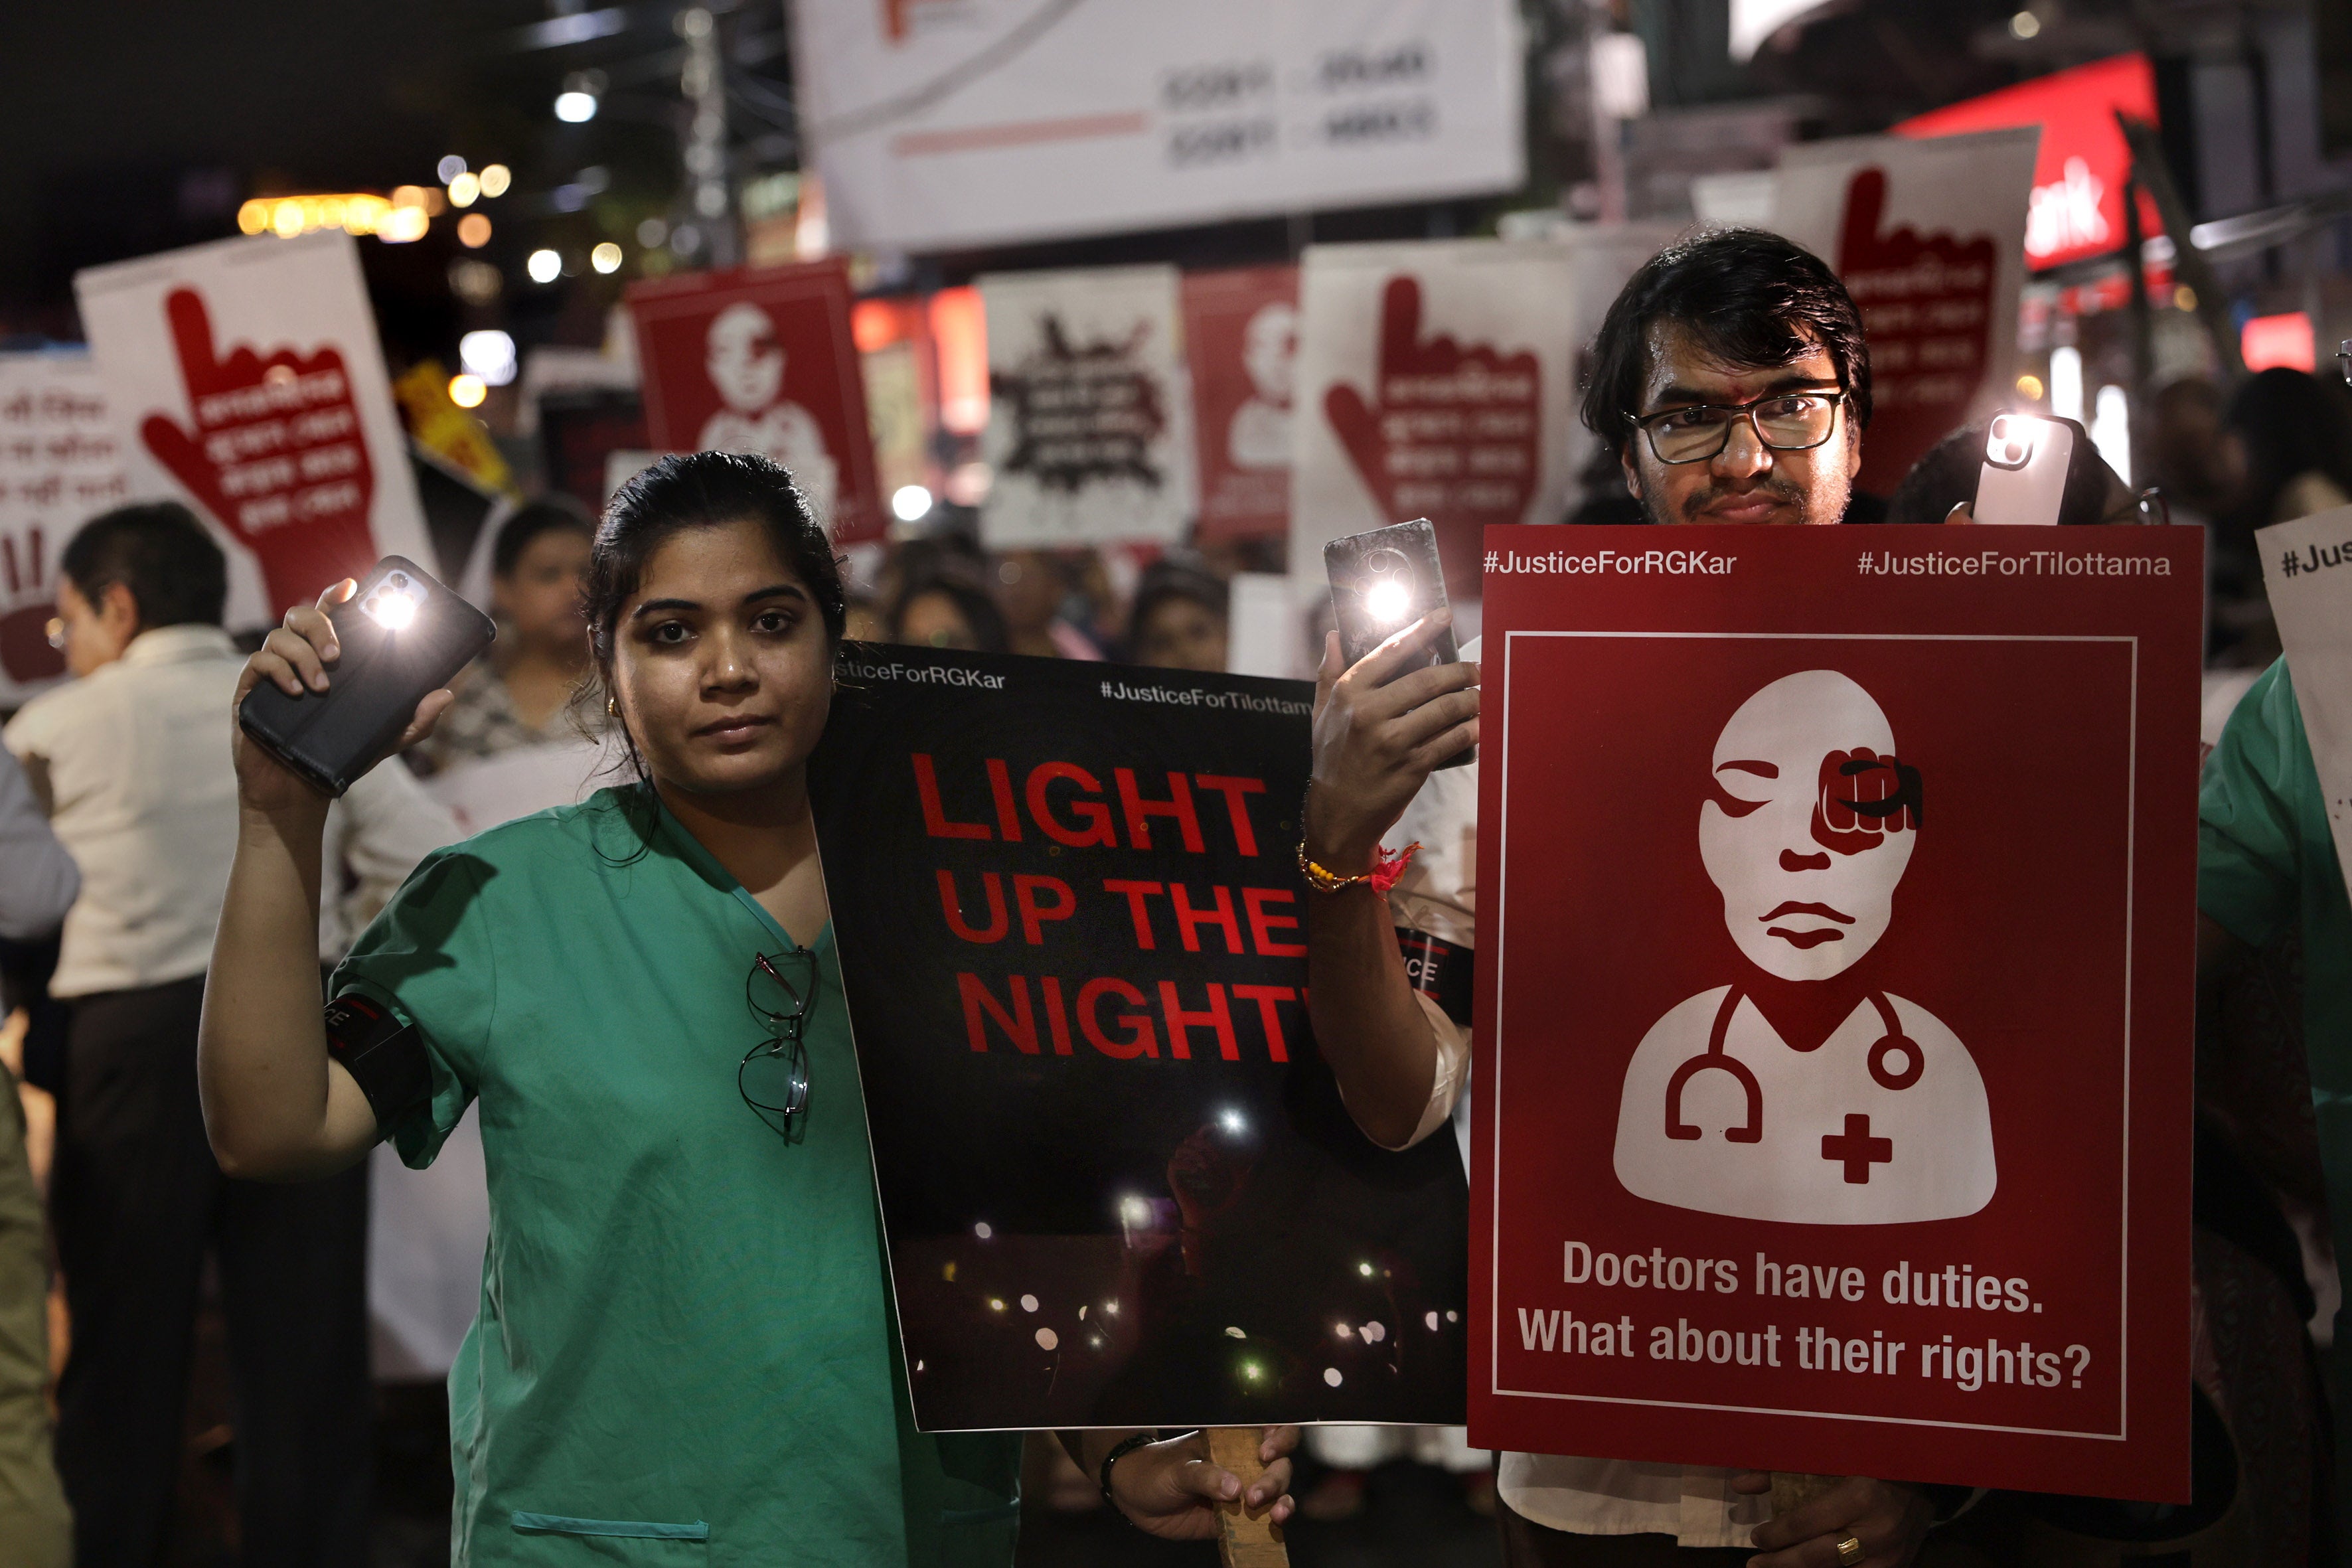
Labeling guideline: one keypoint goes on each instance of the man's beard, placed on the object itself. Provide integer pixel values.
(1694, 504)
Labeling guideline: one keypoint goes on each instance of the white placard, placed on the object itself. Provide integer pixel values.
(1090, 413)
(1929, 236)
(1436, 379)
(2307, 567)
(61, 462)
(247, 381)
(957, 122)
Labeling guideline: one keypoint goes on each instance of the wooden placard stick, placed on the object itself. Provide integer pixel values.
(1244, 1539)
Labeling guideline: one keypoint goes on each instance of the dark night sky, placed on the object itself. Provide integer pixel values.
(130, 127)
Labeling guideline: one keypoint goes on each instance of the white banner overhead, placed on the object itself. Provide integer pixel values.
(248, 380)
(61, 463)
(952, 122)
(1090, 413)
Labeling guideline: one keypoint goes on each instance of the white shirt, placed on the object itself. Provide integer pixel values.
(1438, 895)
(144, 795)
(143, 792)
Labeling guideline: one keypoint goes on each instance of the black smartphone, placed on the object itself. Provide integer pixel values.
(1382, 582)
(403, 635)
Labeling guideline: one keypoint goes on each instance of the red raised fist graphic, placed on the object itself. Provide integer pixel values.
(25, 651)
(277, 456)
(1927, 305)
(1861, 798)
(1453, 434)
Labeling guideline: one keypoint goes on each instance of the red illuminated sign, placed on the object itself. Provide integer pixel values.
(2084, 164)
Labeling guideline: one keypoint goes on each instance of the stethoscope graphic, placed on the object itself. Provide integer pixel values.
(1892, 1043)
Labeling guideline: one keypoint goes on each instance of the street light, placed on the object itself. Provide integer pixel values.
(544, 266)
(575, 108)
(605, 257)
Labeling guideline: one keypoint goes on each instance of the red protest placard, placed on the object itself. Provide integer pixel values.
(1836, 1006)
(1241, 342)
(761, 360)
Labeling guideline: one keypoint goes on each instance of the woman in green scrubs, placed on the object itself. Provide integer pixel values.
(684, 1353)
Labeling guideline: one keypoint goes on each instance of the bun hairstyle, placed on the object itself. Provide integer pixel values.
(706, 489)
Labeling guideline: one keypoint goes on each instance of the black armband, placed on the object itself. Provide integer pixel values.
(384, 1055)
(1439, 970)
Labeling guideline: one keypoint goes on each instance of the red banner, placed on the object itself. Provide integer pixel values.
(1835, 1008)
(1241, 340)
(761, 360)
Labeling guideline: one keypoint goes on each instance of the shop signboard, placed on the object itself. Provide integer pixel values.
(1835, 1002)
(1118, 1185)
(248, 382)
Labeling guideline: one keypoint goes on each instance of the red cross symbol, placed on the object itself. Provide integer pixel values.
(1858, 1150)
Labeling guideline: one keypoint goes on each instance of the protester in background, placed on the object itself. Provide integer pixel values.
(683, 1337)
(1179, 619)
(136, 772)
(1033, 587)
(37, 884)
(1945, 480)
(522, 692)
(946, 603)
(2184, 449)
(1732, 380)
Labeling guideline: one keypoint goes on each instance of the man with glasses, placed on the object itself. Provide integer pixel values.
(1732, 380)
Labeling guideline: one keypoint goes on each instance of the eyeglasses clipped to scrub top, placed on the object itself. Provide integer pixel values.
(774, 1078)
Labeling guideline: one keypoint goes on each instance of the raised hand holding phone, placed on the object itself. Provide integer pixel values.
(393, 643)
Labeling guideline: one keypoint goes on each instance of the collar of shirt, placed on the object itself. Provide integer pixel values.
(178, 645)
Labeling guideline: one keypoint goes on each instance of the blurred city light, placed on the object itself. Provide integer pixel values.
(449, 168)
(467, 389)
(464, 189)
(544, 266)
(605, 257)
(575, 108)
(354, 212)
(2066, 381)
(908, 502)
(473, 231)
(653, 233)
(2030, 386)
(2111, 429)
(496, 179)
(474, 282)
(489, 355)
(2024, 25)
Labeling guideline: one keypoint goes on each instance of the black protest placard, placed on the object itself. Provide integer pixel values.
(1118, 1185)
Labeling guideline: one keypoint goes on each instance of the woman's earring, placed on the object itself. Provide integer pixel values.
(612, 707)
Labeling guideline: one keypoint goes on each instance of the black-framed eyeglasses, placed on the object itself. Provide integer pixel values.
(2148, 506)
(1783, 422)
(774, 1078)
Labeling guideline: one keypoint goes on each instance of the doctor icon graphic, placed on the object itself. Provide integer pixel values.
(1806, 1093)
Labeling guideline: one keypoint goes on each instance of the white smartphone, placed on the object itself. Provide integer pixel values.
(2024, 475)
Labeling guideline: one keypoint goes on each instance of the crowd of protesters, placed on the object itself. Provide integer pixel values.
(159, 890)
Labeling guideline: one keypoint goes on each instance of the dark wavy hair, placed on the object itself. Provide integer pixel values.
(1749, 296)
(706, 489)
(2293, 424)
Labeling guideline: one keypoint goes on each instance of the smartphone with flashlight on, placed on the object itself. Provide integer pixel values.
(2024, 475)
(402, 635)
(1382, 582)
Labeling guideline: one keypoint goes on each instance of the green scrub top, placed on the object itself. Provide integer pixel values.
(685, 1352)
(2265, 858)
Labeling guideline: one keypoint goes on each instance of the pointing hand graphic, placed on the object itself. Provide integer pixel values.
(277, 455)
